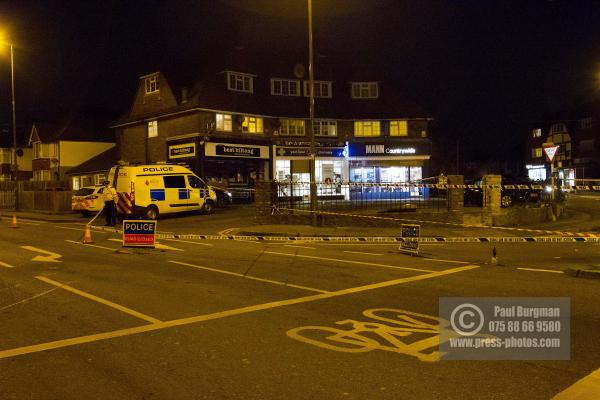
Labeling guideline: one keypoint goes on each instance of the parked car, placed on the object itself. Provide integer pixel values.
(508, 196)
(87, 200)
(223, 196)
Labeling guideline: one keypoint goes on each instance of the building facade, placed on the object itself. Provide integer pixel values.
(235, 127)
(577, 133)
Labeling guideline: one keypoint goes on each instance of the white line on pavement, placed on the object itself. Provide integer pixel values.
(363, 252)
(300, 247)
(541, 270)
(188, 241)
(90, 245)
(3, 264)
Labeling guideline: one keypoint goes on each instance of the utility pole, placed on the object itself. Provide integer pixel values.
(313, 152)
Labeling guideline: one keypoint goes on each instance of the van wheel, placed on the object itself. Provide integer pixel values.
(208, 207)
(151, 212)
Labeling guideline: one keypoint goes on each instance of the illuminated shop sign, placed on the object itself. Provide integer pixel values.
(182, 150)
(305, 152)
(235, 150)
(368, 149)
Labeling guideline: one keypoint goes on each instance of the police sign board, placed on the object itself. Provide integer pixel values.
(410, 238)
(139, 233)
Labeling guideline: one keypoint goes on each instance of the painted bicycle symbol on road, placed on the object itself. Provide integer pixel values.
(388, 329)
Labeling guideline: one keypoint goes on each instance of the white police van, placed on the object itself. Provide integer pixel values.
(151, 190)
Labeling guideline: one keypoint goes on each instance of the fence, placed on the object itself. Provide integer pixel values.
(7, 194)
(353, 196)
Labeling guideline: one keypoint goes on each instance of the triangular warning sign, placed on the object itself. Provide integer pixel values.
(550, 152)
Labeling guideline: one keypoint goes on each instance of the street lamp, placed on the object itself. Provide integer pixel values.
(14, 165)
(313, 153)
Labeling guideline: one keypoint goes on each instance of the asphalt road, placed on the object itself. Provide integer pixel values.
(226, 319)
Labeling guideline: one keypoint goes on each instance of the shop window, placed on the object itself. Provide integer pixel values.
(252, 125)
(291, 127)
(282, 170)
(367, 128)
(223, 122)
(325, 128)
(152, 129)
(398, 128)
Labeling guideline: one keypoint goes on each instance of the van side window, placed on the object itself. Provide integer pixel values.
(177, 181)
(196, 182)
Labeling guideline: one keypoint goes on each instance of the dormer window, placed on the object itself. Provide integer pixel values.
(285, 87)
(365, 90)
(536, 132)
(240, 82)
(151, 84)
(322, 89)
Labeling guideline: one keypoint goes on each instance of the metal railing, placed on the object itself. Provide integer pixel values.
(355, 196)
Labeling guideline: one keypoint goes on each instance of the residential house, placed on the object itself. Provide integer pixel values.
(93, 171)
(24, 156)
(577, 133)
(59, 147)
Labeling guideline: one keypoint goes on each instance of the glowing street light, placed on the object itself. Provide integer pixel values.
(14, 165)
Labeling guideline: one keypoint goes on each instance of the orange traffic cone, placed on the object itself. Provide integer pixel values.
(14, 221)
(88, 235)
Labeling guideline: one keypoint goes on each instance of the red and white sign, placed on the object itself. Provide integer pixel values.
(550, 152)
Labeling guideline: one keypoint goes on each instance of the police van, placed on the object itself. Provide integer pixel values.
(151, 190)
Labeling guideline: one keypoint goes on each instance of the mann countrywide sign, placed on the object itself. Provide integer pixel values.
(365, 149)
(235, 150)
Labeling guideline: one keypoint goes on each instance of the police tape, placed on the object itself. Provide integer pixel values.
(373, 239)
(442, 186)
(445, 223)
(383, 239)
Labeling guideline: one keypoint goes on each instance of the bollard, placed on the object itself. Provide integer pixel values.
(494, 258)
(88, 235)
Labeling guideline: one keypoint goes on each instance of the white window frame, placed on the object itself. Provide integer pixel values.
(151, 84)
(45, 150)
(285, 87)
(537, 152)
(536, 132)
(152, 129)
(400, 127)
(292, 127)
(325, 127)
(365, 90)
(251, 124)
(367, 128)
(42, 175)
(319, 85)
(224, 122)
(240, 82)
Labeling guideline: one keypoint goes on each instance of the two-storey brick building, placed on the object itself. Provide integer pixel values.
(238, 125)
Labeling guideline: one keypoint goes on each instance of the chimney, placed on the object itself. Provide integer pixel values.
(184, 95)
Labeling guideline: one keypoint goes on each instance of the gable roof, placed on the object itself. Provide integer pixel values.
(82, 127)
(100, 163)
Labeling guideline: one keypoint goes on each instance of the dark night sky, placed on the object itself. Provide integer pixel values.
(484, 69)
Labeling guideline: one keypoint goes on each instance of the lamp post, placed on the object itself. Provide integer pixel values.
(15, 166)
(313, 153)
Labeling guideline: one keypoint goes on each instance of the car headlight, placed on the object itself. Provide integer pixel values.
(228, 194)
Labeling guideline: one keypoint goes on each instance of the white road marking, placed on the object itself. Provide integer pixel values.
(49, 256)
(3, 264)
(248, 277)
(98, 299)
(586, 388)
(348, 261)
(541, 270)
(28, 223)
(446, 261)
(188, 241)
(300, 247)
(90, 245)
(57, 344)
(362, 252)
(156, 245)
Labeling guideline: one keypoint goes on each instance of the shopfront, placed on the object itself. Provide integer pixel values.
(292, 165)
(233, 165)
(388, 163)
(536, 172)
